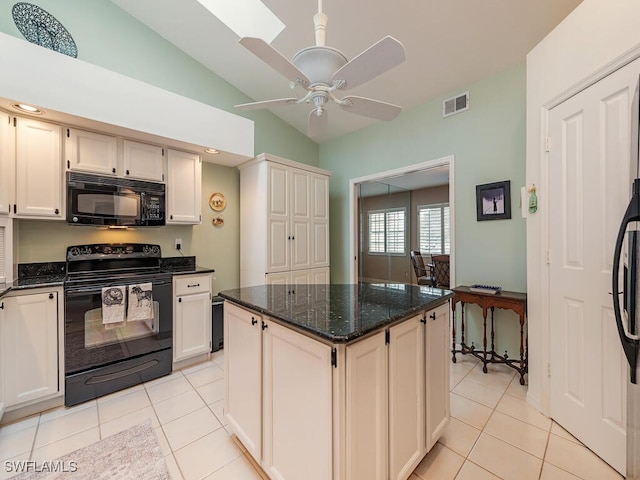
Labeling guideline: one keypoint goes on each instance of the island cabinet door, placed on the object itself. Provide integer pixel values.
(366, 413)
(437, 373)
(243, 376)
(297, 406)
(406, 397)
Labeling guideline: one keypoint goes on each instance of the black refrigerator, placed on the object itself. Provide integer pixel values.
(626, 296)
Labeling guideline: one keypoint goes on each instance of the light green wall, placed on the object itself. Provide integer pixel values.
(488, 142)
(109, 37)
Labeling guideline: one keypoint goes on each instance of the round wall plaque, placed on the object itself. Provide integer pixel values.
(217, 202)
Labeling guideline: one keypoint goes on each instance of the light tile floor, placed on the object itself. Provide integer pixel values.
(493, 434)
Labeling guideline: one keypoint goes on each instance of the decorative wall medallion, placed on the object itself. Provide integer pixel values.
(217, 202)
(217, 221)
(40, 27)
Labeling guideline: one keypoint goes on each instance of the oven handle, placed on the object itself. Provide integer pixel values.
(68, 291)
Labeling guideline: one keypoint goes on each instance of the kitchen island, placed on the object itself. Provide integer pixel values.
(340, 382)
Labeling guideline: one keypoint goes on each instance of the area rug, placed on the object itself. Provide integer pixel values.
(131, 454)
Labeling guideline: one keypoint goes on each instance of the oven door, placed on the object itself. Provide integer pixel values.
(93, 335)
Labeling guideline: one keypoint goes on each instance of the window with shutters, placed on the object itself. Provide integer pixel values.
(387, 231)
(433, 229)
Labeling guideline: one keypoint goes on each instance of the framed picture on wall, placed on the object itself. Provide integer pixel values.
(493, 201)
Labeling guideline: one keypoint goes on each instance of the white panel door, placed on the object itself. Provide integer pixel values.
(297, 379)
(184, 187)
(7, 163)
(320, 221)
(243, 376)
(143, 161)
(91, 152)
(589, 191)
(38, 169)
(192, 326)
(279, 236)
(300, 219)
(367, 440)
(406, 397)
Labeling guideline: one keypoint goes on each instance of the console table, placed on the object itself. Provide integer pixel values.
(515, 301)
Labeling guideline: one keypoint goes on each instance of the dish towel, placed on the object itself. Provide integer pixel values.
(112, 305)
(140, 305)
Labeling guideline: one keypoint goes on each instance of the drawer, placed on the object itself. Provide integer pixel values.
(188, 284)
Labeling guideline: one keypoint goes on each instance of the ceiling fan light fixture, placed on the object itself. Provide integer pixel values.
(319, 63)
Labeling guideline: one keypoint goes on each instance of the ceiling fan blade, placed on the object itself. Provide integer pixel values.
(317, 123)
(374, 61)
(370, 108)
(266, 104)
(273, 58)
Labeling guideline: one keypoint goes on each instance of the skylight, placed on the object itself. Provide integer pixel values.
(247, 18)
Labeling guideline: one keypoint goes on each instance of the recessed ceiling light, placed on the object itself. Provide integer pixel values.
(247, 18)
(212, 150)
(27, 109)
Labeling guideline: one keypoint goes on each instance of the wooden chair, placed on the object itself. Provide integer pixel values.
(423, 275)
(440, 271)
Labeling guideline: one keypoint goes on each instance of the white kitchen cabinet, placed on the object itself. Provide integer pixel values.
(297, 405)
(192, 315)
(406, 397)
(39, 182)
(278, 395)
(184, 187)
(7, 163)
(367, 440)
(91, 152)
(6, 250)
(29, 355)
(437, 358)
(143, 161)
(243, 376)
(284, 218)
(2, 337)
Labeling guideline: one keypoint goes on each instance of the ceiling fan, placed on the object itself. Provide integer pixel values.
(323, 70)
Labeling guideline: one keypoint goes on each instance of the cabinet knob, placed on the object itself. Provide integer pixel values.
(180, 300)
(253, 321)
(2, 306)
(264, 326)
(433, 316)
(293, 237)
(51, 296)
(56, 211)
(423, 319)
(113, 170)
(127, 172)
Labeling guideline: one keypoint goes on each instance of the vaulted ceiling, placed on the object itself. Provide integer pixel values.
(449, 44)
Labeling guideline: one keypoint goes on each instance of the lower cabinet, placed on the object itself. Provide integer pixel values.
(192, 315)
(278, 395)
(29, 335)
(373, 413)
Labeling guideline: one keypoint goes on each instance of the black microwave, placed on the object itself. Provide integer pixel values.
(100, 200)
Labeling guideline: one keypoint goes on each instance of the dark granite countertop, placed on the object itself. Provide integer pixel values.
(182, 266)
(339, 313)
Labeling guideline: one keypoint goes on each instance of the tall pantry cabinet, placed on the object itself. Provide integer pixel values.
(284, 222)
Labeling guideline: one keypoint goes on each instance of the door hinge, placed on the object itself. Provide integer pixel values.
(548, 369)
(163, 176)
(68, 165)
(15, 122)
(68, 133)
(547, 144)
(334, 357)
(548, 257)
(163, 153)
(387, 337)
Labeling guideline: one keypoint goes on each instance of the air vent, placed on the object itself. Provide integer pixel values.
(455, 105)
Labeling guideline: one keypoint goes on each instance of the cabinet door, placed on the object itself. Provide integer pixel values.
(297, 379)
(278, 211)
(184, 187)
(319, 276)
(7, 163)
(143, 161)
(192, 326)
(279, 278)
(30, 347)
(437, 356)
(91, 152)
(243, 376)
(2, 337)
(366, 410)
(319, 221)
(6, 250)
(406, 397)
(38, 169)
(299, 193)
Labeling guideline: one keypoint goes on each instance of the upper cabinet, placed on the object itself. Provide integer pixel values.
(98, 153)
(38, 170)
(7, 163)
(284, 219)
(143, 161)
(184, 187)
(91, 152)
